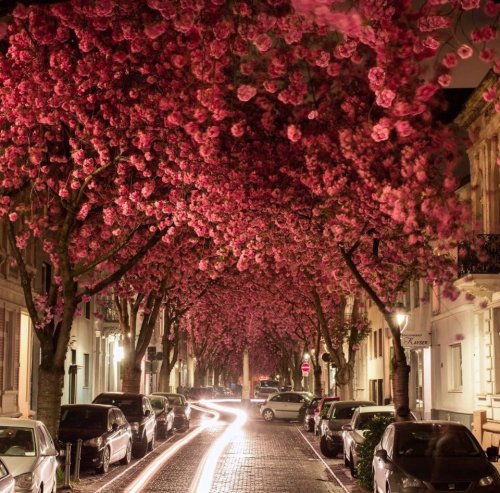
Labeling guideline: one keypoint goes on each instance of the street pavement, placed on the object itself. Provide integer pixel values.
(262, 457)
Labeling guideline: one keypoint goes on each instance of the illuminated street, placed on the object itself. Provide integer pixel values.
(258, 457)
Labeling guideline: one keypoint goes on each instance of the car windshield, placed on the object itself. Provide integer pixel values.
(175, 400)
(158, 404)
(436, 441)
(18, 442)
(344, 412)
(364, 418)
(129, 405)
(84, 418)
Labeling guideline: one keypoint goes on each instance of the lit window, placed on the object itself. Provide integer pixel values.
(456, 380)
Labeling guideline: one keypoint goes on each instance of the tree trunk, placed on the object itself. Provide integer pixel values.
(50, 390)
(297, 379)
(217, 373)
(131, 377)
(200, 375)
(400, 382)
(343, 378)
(164, 380)
(318, 390)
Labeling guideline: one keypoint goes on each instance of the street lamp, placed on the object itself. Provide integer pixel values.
(306, 357)
(401, 316)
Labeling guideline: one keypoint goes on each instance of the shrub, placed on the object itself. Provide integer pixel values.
(374, 430)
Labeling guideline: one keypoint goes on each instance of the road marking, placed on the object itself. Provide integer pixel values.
(326, 465)
(146, 475)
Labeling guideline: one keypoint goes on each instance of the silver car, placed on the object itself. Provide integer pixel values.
(28, 451)
(284, 405)
(354, 433)
(7, 482)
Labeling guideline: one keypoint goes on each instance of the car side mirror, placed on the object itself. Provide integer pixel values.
(51, 452)
(114, 426)
(492, 454)
(381, 454)
(147, 412)
(347, 427)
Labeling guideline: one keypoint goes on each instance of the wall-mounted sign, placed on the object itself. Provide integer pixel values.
(415, 341)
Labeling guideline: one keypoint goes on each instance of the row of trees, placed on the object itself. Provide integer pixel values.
(170, 154)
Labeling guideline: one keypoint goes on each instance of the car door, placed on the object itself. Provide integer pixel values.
(379, 465)
(122, 427)
(295, 403)
(278, 405)
(348, 434)
(150, 420)
(46, 470)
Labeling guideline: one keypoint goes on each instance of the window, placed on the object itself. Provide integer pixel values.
(380, 342)
(375, 346)
(455, 378)
(87, 310)
(86, 369)
(9, 350)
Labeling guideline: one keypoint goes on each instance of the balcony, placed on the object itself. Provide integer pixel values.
(479, 267)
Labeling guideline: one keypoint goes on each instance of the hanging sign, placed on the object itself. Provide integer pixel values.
(416, 341)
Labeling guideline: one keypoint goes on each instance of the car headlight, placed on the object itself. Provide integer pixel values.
(487, 481)
(24, 480)
(408, 482)
(135, 426)
(93, 442)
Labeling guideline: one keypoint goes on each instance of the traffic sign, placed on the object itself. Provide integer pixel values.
(305, 367)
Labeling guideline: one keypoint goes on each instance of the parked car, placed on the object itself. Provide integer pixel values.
(164, 415)
(182, 409)
(139, 413)
(106, 434)
(27, 449)
(322, 409)
(7, 482)
(265, 392)
(353, 433)
(285, 405)
(432, 456)
(311, 409)
(330, 429)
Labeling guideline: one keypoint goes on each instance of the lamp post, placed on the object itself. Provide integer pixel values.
(401, 316)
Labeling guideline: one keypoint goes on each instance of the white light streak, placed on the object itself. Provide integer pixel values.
(147, 474)
(203, 480)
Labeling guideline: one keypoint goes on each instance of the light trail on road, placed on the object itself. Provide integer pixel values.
(149, 472)
(203, 480)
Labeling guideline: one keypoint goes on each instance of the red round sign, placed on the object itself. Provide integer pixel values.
(305, 367)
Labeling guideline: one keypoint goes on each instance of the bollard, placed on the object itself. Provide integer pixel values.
(78, 456)
(67, 468)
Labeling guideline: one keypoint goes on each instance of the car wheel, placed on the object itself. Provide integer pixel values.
(352, 466)
(106, 455)
(326, 449)
(268, 415)
(128, 454)
(141, 449)
(151, 444)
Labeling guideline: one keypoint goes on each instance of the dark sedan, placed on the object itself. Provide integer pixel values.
(182, 409)
(139, 413)
(432, 456)
(105, 432)
(164, 415)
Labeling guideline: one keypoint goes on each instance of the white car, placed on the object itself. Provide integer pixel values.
(354, 433)
(27, 449)
(284, 405)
